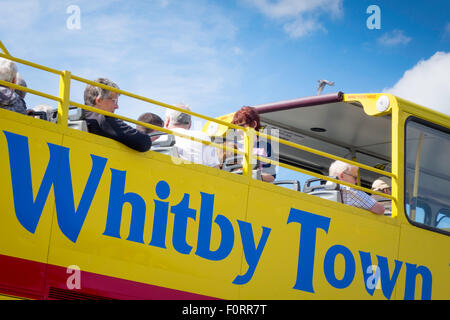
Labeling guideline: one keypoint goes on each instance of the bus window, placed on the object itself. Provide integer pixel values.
(443, 219)
(427, 171)
(422, 211)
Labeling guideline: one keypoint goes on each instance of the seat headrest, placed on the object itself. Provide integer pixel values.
(164, 140)
(323, 185)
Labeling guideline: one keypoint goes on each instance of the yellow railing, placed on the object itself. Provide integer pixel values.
(326, 155)
(64, 103)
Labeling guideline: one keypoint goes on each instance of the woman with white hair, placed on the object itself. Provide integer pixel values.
(9, 99)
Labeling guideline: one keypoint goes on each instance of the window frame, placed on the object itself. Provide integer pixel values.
(432, 126)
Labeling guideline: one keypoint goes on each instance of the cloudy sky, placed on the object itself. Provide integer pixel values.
(219, 55)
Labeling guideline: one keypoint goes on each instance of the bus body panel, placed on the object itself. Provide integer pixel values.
(295, 245)
(350, 231)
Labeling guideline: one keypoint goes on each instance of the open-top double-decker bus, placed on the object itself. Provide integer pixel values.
(85, 217)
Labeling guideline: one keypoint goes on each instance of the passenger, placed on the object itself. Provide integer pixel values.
(249, 117)
(110, 127)
(9, 99)
(383, 184)
(190, 150)
(21, 82)
(150, 118)
(349, 173)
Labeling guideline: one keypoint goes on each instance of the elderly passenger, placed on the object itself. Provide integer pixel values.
(9, 99)
(349, 173)
(190, 150)
(110, 127)
(21, 82)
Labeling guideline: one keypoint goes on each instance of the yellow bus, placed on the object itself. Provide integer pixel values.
(85, 217)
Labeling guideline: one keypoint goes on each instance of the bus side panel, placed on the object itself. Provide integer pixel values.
(427, 254)
(150, 256)
(326, 263)
(24, 235)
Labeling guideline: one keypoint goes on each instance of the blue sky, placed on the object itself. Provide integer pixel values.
(219, 55)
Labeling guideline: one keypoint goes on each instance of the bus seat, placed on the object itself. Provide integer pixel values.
(164, 144)
(325, 189)
(76, 120)
(37, 114)
(44, 112)
(294, 183)
(234, 165)
(79, 125)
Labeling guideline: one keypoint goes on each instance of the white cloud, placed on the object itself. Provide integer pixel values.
(301, 27)
(300, 17)
(427, 83)
(394, 38)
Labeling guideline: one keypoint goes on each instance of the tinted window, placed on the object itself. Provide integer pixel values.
(427, 174)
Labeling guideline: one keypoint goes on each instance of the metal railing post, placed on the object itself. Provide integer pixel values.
(249, 139)
(64, 95)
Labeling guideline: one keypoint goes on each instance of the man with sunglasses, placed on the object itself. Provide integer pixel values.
(349, 173)
(110, 127)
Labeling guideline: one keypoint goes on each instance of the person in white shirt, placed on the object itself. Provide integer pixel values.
(190, 150)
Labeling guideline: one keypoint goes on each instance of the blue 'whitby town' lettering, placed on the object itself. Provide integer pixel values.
(70, 221)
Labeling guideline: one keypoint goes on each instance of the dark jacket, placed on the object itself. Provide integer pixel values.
(118, 130)
(10, 100)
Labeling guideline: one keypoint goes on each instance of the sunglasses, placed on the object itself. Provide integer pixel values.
(356, 177)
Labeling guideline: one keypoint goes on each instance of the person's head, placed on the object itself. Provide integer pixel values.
(344, 171)
(247, 117)
(21, 82)
(8, 70)
(102, 98)
(150, 118)
(382, 184)
(178, 119)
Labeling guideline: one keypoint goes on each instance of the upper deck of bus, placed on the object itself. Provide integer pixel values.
(382, 134)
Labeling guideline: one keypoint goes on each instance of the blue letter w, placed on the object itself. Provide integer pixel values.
(58, 174)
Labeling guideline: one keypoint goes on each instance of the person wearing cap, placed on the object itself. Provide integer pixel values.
(383, 184)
